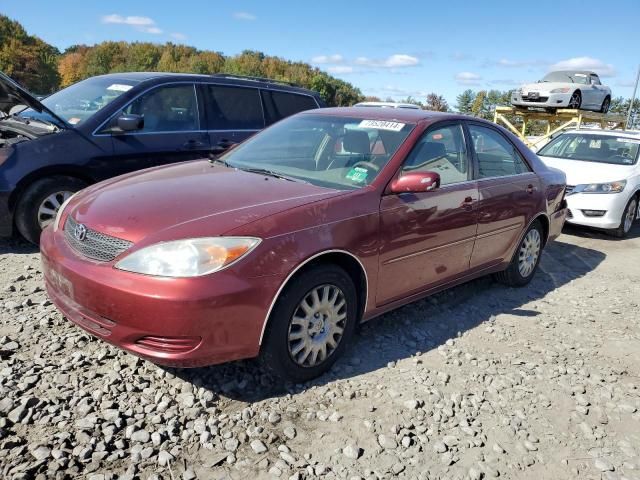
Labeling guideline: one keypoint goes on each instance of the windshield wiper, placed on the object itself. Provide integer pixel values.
(270, 173)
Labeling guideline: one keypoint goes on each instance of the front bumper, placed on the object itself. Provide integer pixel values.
(181, 322)
(612, 204)
(544, 100)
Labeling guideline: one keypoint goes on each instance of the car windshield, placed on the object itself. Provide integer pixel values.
(78, 102)
(593, 148)
(330, 151)
(567, 77)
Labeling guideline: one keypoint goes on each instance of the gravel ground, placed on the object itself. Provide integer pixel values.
(478, 382)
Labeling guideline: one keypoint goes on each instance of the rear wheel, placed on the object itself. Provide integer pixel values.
(525, 260)
(628, 217)
(576, 100)
(311, 324)
(606, 103)
(39, 204)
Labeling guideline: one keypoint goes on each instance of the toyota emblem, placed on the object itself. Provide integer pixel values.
(80, 232)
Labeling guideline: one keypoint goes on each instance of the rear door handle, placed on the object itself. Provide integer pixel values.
(193, 144)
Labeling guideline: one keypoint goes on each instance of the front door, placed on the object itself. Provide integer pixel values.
(170, 133)
(427, 238)
(509, 192)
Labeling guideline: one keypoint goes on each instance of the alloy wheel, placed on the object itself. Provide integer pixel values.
(317, 325)
(630, 216)
(49, 207)
(575, 100)
(529, 253)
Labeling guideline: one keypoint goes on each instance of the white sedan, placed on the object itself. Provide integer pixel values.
(577, 89)
(603, 176)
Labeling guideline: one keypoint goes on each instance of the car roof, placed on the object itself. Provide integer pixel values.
(612, 133)
(584, 72)
(387, 104)
(391, 114)
(229, 79)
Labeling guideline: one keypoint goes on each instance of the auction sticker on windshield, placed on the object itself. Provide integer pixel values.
(119, 87)
(381, 125)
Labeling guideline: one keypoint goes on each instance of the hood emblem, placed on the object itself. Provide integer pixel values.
(80, 232)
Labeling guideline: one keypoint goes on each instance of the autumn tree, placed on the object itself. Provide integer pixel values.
(436, 103)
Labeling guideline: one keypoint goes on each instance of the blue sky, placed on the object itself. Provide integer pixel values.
(392, 49)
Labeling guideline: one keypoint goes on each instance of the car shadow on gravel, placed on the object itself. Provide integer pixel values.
(586, 232)
(16, 245)
(418, 327)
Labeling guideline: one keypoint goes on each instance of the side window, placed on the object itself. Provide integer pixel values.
(497, 157)
(234, 108)
(279, 105)
(441, 150)
(595, 80)
(173, 108)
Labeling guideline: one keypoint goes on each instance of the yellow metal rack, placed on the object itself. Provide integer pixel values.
(561, 119)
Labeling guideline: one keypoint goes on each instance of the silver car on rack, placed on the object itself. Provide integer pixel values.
(578, 89)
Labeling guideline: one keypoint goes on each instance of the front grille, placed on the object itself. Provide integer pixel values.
(535, 99)
(95, 245)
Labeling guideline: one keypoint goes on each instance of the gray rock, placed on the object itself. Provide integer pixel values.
(387, 442)
(352, 451)
(258, 446)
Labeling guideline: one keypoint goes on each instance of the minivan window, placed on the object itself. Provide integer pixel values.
(279, 105)
(234, 108)
(171, 108)
(497, 157)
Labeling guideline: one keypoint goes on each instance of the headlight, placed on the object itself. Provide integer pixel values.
(56, 223)
(560, 90)
(612, 187)
(188, 258)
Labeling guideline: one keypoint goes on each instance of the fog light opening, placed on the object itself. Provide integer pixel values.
(594, 213)
(169, 344)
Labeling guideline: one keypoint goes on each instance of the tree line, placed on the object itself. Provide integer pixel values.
(43, 69)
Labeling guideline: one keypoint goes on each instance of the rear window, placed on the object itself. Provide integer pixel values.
(279, 105)
(593, 148)
(234, 108)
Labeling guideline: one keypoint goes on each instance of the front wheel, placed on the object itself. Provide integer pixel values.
(311, 324)
(525, 260)
(606, 103)
(39, 204)
(575, 101)
(628, 217)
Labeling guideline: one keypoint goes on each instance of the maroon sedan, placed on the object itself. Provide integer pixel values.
(280, 247)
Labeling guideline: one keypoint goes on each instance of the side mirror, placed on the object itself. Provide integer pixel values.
(416, 182)
(130, 122)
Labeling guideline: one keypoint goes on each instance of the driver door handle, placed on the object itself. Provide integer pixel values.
(531, 189)
(193, 144)
(468, 202)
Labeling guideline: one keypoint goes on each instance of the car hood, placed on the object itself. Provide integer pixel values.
(192, 199)
(546, 86)
(581, 172)
(12, 94)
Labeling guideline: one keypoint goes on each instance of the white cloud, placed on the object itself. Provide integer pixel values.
(323, 59)
(179, 36)
(461, 56)
(468, 78)
(244, 16)
(340, 69)
(143, 24)
(397, 60)
(585, 63)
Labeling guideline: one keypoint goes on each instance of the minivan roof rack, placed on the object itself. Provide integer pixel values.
(252, 78)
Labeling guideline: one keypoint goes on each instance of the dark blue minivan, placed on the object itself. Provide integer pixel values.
(113, 124)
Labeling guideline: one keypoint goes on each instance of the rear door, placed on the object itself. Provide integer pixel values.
(509, 195)
(171, 130)
(279, 105)
(234, 113)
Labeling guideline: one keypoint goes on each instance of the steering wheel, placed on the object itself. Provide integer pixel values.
(367, 165)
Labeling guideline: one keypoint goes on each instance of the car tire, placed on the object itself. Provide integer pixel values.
(606, 103)
(629, 216)
(40, 202)
(526, 258)
(575, 102)
(286, 340)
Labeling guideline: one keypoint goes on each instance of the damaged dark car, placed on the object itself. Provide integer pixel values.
(112, 124)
